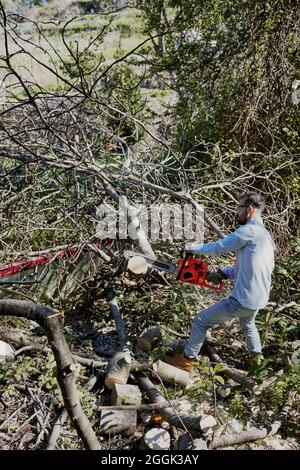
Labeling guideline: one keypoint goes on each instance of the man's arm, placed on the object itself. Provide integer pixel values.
(233, 242)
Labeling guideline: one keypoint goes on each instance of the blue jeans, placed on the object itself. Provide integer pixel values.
(220, 313)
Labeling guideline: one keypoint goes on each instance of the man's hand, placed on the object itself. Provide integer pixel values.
(216, 277)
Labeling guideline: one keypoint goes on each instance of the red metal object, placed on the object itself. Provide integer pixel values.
(10, 269)
(194, 271)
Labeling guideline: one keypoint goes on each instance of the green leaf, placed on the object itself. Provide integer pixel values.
(219, 379)
(219, 368)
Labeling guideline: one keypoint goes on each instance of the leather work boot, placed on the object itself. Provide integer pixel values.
(254, 362)
(180, 361)
(255, 359)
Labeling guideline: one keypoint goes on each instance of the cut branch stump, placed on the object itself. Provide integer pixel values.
(157, 439)
(118, 369)
(171, 374)
(137, 265)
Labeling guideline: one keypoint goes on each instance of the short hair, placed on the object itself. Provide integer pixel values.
(254, 199)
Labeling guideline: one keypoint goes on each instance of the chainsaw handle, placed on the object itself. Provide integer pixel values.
(186, 257)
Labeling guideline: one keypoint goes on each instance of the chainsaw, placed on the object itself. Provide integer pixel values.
(190, 270)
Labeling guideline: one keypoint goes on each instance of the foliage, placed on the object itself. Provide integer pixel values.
(287, 273)
(22, 370)
(210, 378)
(232, 82)
(279, 329)
(237, 405)
(275, 395)
(48, 380)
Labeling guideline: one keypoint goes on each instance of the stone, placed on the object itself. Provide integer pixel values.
(165, 425)
(235, 426)
(146, 418)
(184, 442)
(275, 444)
(236, 345)
(185, 406)
(207, 424)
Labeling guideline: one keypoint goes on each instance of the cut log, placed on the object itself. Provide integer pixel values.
(6, 351)
(157, 439)
(149, 339)
(171, 374)
(118, 421)
(125, 395)
(137, 265)
(118, 369)
(119, 365)
(117, 315)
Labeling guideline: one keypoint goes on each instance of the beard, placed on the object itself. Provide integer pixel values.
(241, 220)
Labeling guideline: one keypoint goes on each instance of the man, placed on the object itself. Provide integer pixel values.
(254, 250)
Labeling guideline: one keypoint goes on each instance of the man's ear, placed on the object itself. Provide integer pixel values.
(250, 211)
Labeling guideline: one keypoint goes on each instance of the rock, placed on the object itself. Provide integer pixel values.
(295, 92)
(295, 358)
(207, 424)
(184, 442)
(224, 391)
(6, 351)
(146, 418)
(296, 344)
(165, 425)
(200, 444)
(157, 439)
(275, 444)
(236, 345)
(235, 426)
(185, 406)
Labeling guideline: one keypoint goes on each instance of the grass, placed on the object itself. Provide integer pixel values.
(124, 33)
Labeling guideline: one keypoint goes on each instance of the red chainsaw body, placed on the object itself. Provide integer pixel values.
(194, 271)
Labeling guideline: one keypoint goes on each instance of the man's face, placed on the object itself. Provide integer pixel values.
(243, 212)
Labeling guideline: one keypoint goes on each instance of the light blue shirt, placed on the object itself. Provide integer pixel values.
(252, 272)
